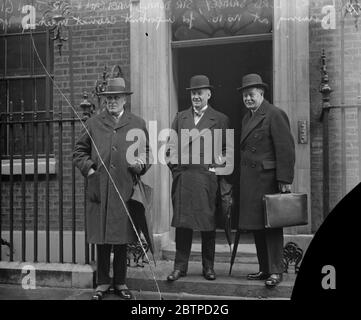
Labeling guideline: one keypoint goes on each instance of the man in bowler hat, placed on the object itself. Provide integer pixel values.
(195, 184)
(108, 225)
(267, 167)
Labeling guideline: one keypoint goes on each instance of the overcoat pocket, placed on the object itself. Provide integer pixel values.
(94, 187)
(269, 164)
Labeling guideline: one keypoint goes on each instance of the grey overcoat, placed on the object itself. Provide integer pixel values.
(106, 218)
(194, 187)
(267, 157)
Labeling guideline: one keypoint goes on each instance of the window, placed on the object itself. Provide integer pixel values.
(214, 19)
(24, 88)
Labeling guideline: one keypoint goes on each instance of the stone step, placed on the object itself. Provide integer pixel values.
(235, 286)
(246, 237)
(246, 253)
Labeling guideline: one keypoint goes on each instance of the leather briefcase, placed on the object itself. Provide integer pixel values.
(285, 210)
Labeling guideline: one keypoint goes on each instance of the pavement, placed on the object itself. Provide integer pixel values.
(192, 287)
(16, 292)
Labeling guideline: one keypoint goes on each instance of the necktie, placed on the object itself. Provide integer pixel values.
(197, 116)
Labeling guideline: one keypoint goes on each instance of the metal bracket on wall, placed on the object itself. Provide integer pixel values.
(7, 244)
(292, 254)
(302, 132)
(135, 254)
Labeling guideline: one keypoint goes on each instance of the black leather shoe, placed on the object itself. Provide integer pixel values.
(99, 295)
(209, 274)
(273, 280)
(175, 275)
(258, 276)
(123, 293)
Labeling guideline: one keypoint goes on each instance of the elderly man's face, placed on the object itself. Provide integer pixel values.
(252, 98)
(115, 103)
(200, 97)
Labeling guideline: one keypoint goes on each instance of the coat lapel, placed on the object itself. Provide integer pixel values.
(188, 120)
(124, 120)
(109, 121)
(208, 120)
(251, 123)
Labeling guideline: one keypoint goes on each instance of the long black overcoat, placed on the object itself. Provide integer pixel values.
(194, 187)
(267, 157)
(106, 218)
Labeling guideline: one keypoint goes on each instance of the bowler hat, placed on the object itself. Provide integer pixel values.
(252, 80)
(115, 86)
(199, 82)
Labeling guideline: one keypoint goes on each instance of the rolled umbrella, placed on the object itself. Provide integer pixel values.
(140, 211)
(224, 216)
(228, 228)
(235, 247)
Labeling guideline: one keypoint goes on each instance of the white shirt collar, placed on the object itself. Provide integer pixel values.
(200, 112)
(119, 116)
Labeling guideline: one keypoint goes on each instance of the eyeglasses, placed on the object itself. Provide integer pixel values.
(110, 98)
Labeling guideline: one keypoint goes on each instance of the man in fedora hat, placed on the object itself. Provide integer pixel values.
(267, 167)
(107, 222)
(195, 182)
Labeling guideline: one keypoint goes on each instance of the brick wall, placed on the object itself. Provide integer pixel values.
(99, 37)
(330, 40)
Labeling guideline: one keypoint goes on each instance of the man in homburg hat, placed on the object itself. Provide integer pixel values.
(195, 182)
(267, 167)
(107, 222)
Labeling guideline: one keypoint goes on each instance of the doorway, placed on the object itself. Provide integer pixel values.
(225, 65)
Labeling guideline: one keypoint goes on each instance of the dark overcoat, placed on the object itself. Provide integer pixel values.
(106, 218)
(194, 187)
(267, 157)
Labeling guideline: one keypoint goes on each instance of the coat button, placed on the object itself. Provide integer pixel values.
(254, 149)
(112, 166)
(114, 148)
(115, 131)
(256, 135)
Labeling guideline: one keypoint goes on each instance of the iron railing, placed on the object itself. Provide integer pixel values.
(51, 184)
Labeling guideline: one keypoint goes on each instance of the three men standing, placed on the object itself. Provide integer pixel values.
(195, 183)
(267, 167)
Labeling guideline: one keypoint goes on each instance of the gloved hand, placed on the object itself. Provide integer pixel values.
(137, 167)
(284, 187)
